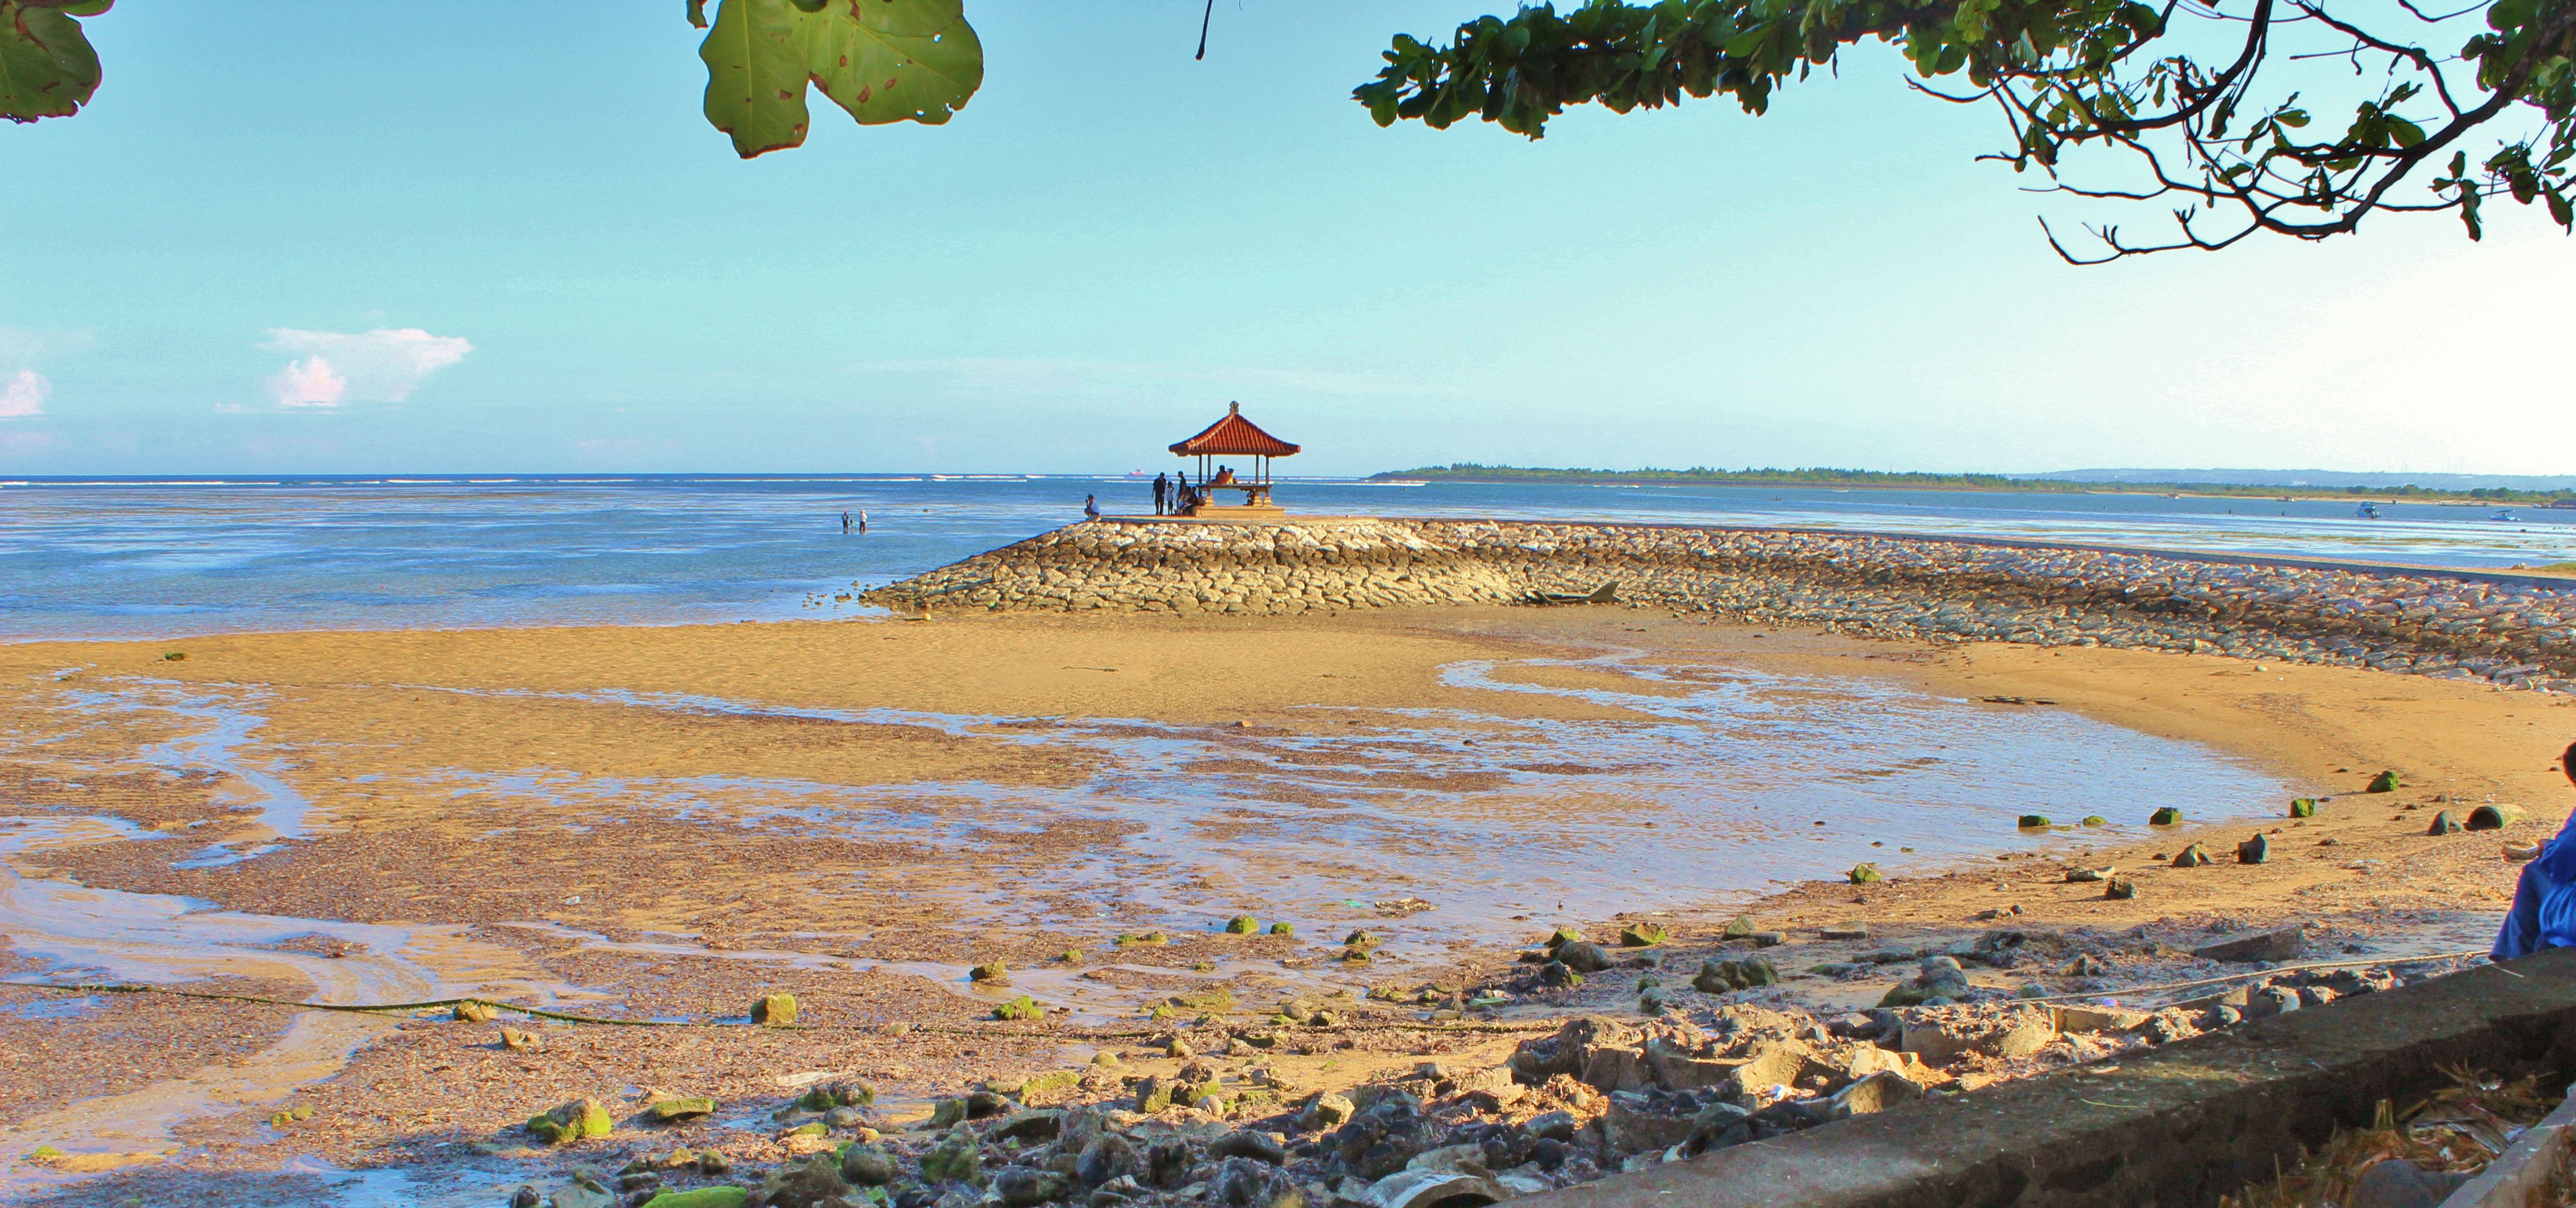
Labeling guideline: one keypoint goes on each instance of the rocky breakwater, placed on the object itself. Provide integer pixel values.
(2421, 622)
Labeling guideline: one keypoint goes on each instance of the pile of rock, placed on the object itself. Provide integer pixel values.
(2421, 622)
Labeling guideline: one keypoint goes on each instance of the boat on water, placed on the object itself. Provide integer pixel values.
(2367, 511)
(2506, 514)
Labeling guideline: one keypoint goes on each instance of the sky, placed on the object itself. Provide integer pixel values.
(293, 236)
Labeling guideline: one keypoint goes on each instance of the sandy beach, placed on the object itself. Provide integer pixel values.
(493, 813)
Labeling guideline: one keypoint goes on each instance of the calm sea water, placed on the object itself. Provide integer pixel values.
(99, 558)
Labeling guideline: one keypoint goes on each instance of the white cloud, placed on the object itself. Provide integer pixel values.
(380, 366)
(308, 383)
(23, 394)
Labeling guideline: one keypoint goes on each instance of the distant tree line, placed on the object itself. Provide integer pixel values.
(1819, 476)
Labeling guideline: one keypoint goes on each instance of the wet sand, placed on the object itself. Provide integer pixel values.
(668, 822)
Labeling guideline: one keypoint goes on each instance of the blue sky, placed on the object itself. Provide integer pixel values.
(513, 244)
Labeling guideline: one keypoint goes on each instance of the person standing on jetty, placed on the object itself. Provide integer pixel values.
(1091, 507)
(2544, 899)
(1162, 492)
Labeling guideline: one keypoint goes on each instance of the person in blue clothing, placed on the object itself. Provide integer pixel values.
(2544, 900)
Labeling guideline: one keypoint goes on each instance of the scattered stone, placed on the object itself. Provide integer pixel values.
(574, 1121)
(1875, 1093)
(1023, 1007)
(1769, 939)
(955, 1159)
(585, 1191)
(1642, 935)
(2165, 816)
(2254, 850)
(673, 1111)
(1863, 874)
(521, 1042)
(1024, 1187)
(704, 1197)
(1720, 976)
(774, 1010)
(2096, 820)
(1243, 924)
(2033, 821)
(2120, 889)
(2385, 782)
(1324, 1111)
(1583, 956)
(2443, 824)
(470, 1011)
(994, 974)
(1283, 928)
(1740, 929)
(1935, 983)
(1845, 931)
(1245, 1143)
(2074, 875)
(867, 1165)
(2194, 856)
(2303, 807)
(2285, 944)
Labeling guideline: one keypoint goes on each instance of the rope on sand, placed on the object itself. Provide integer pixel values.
(605, 1021)
(1096, 1034)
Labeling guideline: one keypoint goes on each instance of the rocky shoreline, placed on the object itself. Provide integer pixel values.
(1733, 1061)
(2416, 622)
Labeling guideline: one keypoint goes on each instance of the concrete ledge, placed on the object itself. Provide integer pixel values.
(2177, 1127)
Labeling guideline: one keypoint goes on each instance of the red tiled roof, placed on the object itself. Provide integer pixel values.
(1234, 436)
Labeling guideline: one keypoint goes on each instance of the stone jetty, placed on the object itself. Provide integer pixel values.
(2419, 622)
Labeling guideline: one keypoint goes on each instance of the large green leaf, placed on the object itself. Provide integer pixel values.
(907, 18)
(756, 73)
(884, 77)
(47, 68)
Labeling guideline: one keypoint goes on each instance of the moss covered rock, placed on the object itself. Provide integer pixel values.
(774, 1010)
(672, 1111)
(1243, 924)
(578, 1120)
(2165, 816)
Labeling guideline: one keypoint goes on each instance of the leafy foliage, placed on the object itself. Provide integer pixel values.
(47, 68)
(2072, 74)
(881, 60)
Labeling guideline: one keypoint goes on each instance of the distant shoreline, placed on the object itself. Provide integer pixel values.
(1467, 472)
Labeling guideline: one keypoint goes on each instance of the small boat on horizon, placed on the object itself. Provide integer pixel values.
(2367, 511)
(2506, 514)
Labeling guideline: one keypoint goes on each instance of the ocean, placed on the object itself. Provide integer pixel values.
(165, 558)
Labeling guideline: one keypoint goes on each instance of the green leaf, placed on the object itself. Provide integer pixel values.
(88, 8)
(47, 68)
(756, 69)
(907, 18)
(697, 14)
(881, 77)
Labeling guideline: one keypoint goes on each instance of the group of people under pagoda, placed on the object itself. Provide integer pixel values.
(1181, 498)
